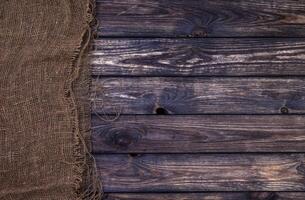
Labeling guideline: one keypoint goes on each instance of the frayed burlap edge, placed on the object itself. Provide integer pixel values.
(86, 180)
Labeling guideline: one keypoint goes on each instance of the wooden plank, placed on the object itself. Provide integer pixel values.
(199, 95)
(202, 172)
(198, 57)
(205, 18)
(197, 134)
(209, 196)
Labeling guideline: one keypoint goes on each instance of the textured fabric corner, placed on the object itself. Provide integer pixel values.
(44, 101)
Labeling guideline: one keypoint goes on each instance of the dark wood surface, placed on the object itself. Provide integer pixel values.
(199, 134)
(201, 95)
(200, 99)
(201, 18)
(202, 172)
(199, 57)
(210, 196)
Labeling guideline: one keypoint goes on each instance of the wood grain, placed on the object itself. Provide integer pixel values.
(210, 196)
(198, 57)
(205, 18)
(195, 134)
(202, 172)
(209, 97)
(199, 95)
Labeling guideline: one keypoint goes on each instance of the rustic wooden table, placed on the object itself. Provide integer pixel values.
(210, 96)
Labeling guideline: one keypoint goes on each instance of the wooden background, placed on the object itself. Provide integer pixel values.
(200, 99)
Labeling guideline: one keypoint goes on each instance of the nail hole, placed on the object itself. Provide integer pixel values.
(133, 154)
(284, 110)
(161, 111)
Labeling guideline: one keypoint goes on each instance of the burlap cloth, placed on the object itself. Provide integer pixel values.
(44, 103)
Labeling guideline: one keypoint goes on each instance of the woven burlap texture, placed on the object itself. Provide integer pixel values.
(44, 103)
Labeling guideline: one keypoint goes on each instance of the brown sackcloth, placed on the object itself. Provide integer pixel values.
(44, 103)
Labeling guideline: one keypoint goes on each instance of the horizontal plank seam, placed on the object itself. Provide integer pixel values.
(198, 153)
(200, 192)
(208, 114)
(188, 37)
(200, 76)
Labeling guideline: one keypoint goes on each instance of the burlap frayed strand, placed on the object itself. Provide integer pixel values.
(44, 102)
(87, 184)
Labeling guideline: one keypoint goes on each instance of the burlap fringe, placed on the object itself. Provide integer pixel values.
(86, 181)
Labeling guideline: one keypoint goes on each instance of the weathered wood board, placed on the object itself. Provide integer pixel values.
(201, 18)
(202, 172)
(199, 57)
(199, 134)
(200, 99)
(200, 95)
